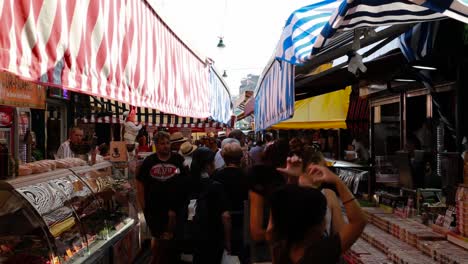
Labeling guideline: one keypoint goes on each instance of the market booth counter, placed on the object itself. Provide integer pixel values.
(77, 215)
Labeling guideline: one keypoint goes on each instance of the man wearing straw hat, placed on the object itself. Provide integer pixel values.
(186, 150)
(177, 138)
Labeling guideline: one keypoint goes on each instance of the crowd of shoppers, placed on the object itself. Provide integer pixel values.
(275, 203)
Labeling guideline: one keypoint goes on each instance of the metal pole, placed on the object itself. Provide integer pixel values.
(402, 120)
(371, 182)
(339, 145)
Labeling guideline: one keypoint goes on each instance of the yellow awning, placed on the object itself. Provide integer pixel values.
(327, 111)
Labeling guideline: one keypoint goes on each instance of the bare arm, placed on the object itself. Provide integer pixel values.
(351, 231)
(269, 231)
(335, 207)
(257, 232)
(226, 217)
(357, 219)
(140, 194)
(171, 224)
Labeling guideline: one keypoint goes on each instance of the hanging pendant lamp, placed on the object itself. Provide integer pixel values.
(221, 43)
(225, 74)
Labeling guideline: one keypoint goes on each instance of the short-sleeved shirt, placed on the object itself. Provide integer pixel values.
(324, 251)
(166, 188)
(235, 185)
(234, 181)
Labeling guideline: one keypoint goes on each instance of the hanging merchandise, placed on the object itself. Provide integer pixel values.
(352, 177)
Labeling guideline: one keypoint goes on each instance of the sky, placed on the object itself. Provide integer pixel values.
(250, 28)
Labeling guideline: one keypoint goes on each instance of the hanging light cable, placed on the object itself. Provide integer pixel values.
(221, 44)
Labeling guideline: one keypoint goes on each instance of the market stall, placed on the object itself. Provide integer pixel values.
(414, 98)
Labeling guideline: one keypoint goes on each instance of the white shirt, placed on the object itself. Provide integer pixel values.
(188, 161)
(64, 151)
(219, 161)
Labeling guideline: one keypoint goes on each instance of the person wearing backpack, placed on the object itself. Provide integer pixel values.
(234, 180)
(212, 220)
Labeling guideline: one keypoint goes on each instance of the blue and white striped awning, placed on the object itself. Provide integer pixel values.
(313, 29)
(274, 95)
(221, 105)
(309, 29)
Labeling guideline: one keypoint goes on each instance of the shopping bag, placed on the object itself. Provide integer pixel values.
(229, 259)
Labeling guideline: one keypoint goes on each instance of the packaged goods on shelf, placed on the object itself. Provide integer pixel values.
(462, 210)
(397, 250)
(444, 251)
(363, 253)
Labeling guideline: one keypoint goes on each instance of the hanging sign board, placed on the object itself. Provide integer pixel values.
(118, 151)
(17, 92)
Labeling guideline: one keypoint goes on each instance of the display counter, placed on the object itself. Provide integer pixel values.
(64, 216)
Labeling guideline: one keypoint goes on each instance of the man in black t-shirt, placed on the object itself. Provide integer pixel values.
(162, 194)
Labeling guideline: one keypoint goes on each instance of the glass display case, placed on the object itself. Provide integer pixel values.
(72, 215)
(23, 238)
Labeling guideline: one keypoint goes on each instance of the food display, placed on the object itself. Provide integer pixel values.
(44, 166)
(77, 212)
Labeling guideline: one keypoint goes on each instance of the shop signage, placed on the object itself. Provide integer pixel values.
(17, 92)
(59, 93)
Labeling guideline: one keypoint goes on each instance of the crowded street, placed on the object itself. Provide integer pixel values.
(234, 132)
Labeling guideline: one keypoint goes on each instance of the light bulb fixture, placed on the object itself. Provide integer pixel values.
(424, 67)
(224, 74)
(221, 43)
(404, 80)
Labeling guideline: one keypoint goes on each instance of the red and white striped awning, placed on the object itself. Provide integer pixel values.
(169, 121)
(120, 50)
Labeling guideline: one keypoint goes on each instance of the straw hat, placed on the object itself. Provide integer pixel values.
(178, 137)
(187, 149)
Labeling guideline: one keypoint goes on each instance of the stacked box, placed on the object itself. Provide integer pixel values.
(462, 210)
(407, 230)
(363, 253)
(444, 252)
(396, 250)
(408, 241)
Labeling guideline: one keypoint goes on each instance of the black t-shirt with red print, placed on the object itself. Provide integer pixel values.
(166, 188)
